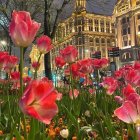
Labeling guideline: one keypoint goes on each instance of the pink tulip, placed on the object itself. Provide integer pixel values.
(10, 62)
(39, 99)
(44, 44)
(91, 90)
(59, 61)
(130, 93)
(110, 84)
(119, 99)
(85, 66)
(69, 54)
(74, 94)
(129, 112)
(22, 29)
(59, 96)
(133, 77)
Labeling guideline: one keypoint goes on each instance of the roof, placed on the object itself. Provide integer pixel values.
(101, 7)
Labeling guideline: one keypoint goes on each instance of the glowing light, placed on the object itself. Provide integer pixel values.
(3, 42)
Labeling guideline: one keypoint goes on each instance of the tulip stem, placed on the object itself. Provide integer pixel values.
(138, 131)
(21, 70)
(36, 69)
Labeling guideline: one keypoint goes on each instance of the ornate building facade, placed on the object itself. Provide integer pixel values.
(88, 31)
(127, 22)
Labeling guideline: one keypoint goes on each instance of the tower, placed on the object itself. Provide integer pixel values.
(80, 5)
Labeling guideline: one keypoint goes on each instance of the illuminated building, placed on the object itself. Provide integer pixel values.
(88, 31)
(127, 20)
(34, 55)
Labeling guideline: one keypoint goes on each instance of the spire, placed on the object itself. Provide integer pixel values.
(80, 5)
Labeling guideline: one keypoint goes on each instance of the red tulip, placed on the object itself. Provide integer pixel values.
(22, 29)
(36, 65)
(69, 54)
(118, 74)
(128, 90)
(3, 56)
(59, 61)
(104, 62)
(44, 44)
(39, 99)
(15, 76)
(26, 79)
(129, 112)
(110, 84)
(99, 63)
(75, 70)
(137, 65)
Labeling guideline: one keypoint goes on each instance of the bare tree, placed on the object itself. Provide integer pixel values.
(50, 27)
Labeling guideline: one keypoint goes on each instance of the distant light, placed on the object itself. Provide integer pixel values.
(87, 50)
(3, 42)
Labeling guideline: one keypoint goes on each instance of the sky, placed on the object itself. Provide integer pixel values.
(103, 7)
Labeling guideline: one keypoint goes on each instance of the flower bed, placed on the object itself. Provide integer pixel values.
(85, 107)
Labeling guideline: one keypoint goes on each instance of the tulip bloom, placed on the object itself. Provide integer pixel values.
(44, 44)
(85, 66)
(69, 54)
(137, 65)
(75, 70)
(15, 76)
(129, 112)
(59, 61)
(110, 84)
(99, 63)
(133, 77)
(10, 62)
(26, 79)
(36, 65)
(39, 99)
(3, 59)
(22, 29)
(74, 94)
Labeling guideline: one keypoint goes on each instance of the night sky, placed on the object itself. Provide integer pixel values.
(103, 7)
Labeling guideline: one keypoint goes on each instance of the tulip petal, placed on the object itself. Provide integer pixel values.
(138, 105)
(128, 90)
(127, 112)
(43, 89)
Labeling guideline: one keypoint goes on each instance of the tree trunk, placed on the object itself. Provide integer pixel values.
(47, 61)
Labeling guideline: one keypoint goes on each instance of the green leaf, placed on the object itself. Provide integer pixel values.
(17, 134)
(70, 115)
(34, 129)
